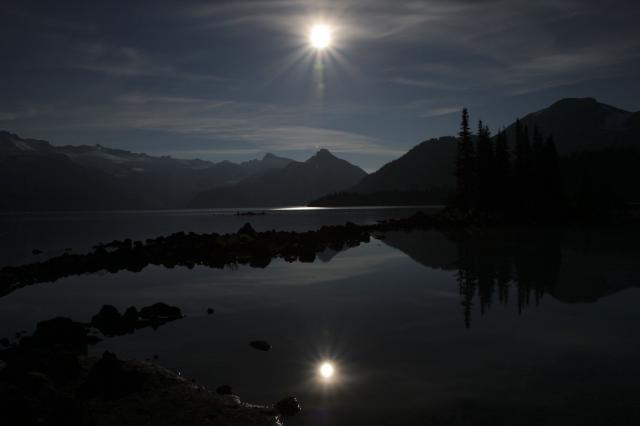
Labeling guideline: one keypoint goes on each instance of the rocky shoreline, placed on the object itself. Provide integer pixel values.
(49, 379)
(245, 247)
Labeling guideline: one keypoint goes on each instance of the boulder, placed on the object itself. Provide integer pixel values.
(288, 406)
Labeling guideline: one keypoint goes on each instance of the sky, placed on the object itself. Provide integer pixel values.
(237, 79)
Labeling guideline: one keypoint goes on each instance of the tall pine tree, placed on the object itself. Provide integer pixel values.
(465, 165)
(485, 168)
(522, 170)
(502, 172)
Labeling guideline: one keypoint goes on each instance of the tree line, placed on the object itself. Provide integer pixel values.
(523, 182)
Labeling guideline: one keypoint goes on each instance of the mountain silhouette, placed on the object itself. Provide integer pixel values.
(267, 163)
(295, 184)
(39, 176)
(593, 138)
(423, 167)
(596, 141)
(579, 124)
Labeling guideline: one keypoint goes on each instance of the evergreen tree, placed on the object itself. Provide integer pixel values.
(485, 168)
(553, 182)
(537, 178)
(502, 171)
(538, 147)
(522, 190)
(465, 165)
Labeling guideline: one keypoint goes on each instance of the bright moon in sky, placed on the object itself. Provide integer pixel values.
(326, 370)
(320, 37)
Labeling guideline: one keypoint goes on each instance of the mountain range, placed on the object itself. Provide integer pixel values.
(585, 131)
(591, 136)
(39, 176)
(294, 184)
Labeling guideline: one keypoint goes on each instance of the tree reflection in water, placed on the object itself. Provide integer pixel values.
(500, 265)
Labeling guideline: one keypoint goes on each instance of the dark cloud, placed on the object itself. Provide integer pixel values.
(234, 79)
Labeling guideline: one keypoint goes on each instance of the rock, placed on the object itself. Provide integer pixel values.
(260, 345)
(247, 229)
(62, 331)
(288, 406)
(36, 252)
(160, 311)
(109, 321)
(131, 316)
(210, 311)
(53, 349)
(168, 399)
(109, 380)
(224, 390)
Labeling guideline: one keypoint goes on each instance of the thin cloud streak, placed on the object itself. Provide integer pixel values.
(260, 127)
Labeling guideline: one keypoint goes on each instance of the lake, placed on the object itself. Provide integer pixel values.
(511, 326)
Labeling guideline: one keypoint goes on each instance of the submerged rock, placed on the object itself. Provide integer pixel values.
(260, 345)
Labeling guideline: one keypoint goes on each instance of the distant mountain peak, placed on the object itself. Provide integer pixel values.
(295, 184)
(323, 154)
(579, 124)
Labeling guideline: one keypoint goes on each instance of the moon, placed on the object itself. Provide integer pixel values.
(320, 37)
(326, 370)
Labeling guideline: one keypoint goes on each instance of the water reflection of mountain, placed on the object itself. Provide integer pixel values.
(497, 265)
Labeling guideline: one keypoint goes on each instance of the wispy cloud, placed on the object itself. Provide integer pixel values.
(20, 113)
(439, 112)
(257, 127)
(124, 61)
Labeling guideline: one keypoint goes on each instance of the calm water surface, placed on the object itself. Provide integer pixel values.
(424, 328)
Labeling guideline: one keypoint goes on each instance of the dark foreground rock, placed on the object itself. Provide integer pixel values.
(288, 406)
(47, 379)
(125, 393)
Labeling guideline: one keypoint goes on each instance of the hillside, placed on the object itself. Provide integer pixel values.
(296, 184)
(39, 176)
(579, 124)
